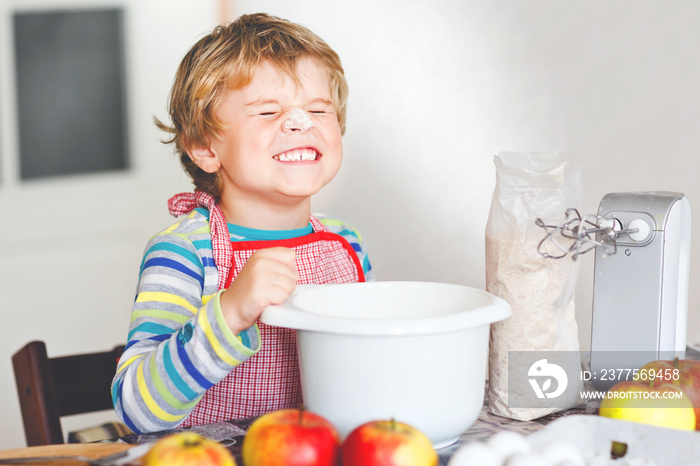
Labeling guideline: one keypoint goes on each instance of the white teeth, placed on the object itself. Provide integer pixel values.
(297, 155)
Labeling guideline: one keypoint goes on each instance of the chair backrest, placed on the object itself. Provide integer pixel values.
(50, 388)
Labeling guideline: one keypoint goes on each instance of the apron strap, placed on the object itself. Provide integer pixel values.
(221, 250)
(317, 225)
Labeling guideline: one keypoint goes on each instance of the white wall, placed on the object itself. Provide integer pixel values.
(437, 88)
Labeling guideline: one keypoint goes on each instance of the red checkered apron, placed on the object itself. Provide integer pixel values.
(269, 380)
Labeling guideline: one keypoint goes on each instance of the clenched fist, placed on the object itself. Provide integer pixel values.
(269, 277)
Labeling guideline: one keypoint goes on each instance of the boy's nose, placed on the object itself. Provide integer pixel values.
(297, 120)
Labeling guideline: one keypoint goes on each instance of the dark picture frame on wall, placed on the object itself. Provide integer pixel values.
(71, 92)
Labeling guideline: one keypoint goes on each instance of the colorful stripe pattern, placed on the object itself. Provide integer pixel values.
(178, 343)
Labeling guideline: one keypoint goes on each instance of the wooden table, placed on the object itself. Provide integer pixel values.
(88, 450)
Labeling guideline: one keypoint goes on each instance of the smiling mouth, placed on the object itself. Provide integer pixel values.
(298, 155)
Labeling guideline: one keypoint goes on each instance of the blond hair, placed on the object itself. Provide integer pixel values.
(227, 59)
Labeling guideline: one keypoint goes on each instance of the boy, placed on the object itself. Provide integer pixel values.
(258, 110)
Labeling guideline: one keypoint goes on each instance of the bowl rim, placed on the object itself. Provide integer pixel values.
(289, 315)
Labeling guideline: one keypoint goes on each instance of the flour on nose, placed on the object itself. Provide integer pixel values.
(298, 119)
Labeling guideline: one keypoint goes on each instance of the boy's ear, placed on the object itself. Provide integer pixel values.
(204, 158)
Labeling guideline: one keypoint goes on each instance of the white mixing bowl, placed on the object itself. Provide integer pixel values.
(412, 351)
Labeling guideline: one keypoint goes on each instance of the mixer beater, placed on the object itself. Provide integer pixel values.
(579, 231)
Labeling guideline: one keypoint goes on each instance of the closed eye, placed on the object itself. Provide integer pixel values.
(322, 111)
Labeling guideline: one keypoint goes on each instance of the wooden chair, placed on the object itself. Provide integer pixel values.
(50, 388)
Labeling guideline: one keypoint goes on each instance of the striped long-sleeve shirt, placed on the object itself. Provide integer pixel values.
(178, 343)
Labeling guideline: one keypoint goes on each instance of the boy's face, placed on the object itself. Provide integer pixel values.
(270, 125)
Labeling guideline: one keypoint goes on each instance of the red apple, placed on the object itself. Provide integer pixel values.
(687, 379)
(647, 402)
(188, 449)
(291, 437)
(388, 443)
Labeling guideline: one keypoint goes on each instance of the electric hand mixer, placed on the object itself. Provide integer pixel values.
(640, 293)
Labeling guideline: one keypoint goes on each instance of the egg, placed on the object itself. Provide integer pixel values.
(528, 459)
(561, 453)
(507, 443)
(472, 454)
(601, 460)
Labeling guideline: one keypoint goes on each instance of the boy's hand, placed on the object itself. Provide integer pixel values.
(269, 277)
